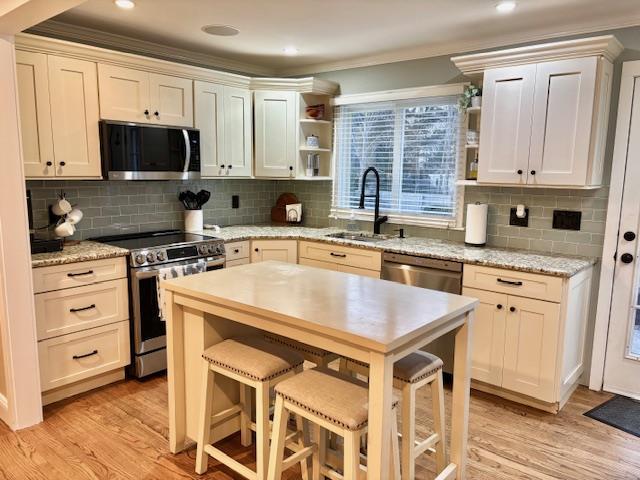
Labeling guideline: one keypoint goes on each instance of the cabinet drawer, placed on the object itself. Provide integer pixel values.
(530, 285)
(57, 277)
(352, 257)
(238, 262)
(77, 356)
(236, 250)
(74, 309)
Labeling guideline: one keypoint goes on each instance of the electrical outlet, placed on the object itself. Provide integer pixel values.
(519, 222)
(235, 201)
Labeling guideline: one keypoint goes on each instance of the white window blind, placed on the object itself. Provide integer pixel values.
(416, 146)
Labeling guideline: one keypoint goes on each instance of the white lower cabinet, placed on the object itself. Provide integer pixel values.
(82, 320)
(279, 250)
(525, 348)
(237, 253)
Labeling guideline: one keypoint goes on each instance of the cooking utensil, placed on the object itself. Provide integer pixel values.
(203, 197)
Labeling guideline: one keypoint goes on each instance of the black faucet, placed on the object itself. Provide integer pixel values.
(377, 219)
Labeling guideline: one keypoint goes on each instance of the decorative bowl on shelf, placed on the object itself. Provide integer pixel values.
(315, 112)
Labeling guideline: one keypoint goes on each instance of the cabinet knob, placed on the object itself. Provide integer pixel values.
(629, 236)
(230, 167)
(156, 113)
(519, 172)
(146, 112)
(256, 249)
(237, 250)
(533, 172)
(626, 258)
(221, 166)
(499, 306)
(49, 163)
(291, 168)
(62, 164)
(512, 309)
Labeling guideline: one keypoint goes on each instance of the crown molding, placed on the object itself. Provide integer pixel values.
(606, 46)
(313, 85)
(453, 48)
(401, 94)
(90, 36)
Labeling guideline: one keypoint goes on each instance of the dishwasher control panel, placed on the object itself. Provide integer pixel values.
(425, 262)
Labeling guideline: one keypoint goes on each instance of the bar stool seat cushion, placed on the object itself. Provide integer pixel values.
(253, 357)
(412, 368)
(303, 347)
(336, 398)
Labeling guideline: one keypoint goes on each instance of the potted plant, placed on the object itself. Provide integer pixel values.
(471, 97)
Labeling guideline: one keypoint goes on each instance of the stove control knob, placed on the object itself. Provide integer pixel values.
(161, 256)
(220, 250)
(151, 257)
(212, 249)
(139, 259)
(202, 249)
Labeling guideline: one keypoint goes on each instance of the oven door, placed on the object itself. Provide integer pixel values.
(149, 331)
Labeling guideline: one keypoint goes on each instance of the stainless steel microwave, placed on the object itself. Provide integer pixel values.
(133, 151)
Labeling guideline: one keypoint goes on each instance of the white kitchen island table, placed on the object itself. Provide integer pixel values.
(371, 320)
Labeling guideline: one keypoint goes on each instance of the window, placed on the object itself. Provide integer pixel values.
(416, 146)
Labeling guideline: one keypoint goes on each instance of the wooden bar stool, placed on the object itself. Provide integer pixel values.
(409, 374)
(318, 356)
(253, 362)
(332, 402)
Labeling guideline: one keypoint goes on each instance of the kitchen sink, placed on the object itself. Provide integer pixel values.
(360, 237)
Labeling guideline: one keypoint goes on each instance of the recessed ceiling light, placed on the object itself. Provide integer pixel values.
(290, 51)
(221, 30)
(506, 6)
(126, 4)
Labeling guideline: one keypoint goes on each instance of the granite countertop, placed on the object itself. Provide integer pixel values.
(519, 260)
(82, 252)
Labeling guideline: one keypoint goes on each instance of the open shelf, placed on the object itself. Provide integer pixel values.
(474, 109)
(468, 183)
(310, 179)
(472, 146)
(304, 148)
(314, 121)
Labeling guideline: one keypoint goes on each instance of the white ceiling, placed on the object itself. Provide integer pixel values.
(334, 34)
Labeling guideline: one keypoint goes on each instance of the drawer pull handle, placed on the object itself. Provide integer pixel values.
(88, 272)
(510, 282)
(74, 310)
(339, 255)
(77, 357)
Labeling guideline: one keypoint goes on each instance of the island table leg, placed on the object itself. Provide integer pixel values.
(460, 403)
(175, 374)
(380, 400)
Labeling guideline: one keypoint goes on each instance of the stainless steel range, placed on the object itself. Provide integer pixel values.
(152, 255)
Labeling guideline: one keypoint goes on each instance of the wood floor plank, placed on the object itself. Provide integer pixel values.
(120, 432)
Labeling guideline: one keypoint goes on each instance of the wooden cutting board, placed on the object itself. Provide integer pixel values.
(279, 212)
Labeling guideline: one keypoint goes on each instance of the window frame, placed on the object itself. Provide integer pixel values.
(397, 218)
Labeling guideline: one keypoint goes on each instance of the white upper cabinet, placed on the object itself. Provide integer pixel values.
(275, 124)
(545, 112)
(131, 95)
(223, 116)
(59, 116)
(35, 114)
(505, 129)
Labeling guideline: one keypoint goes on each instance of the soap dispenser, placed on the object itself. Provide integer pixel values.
(352, 226)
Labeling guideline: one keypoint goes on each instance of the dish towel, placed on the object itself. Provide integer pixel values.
(168, 273)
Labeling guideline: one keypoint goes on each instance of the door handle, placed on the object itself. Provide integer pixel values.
(626, 258)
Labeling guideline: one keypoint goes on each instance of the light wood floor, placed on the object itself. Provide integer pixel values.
(120, 432)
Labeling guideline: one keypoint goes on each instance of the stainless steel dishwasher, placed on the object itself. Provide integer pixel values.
(431, 273)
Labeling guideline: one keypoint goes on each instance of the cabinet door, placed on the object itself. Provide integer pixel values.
(209, 119)
(487, 348)
(280, 250)
(562, 119)
(171, 100)
(237, 132)
(531, 348)
(124, 94)
(73, 85)
(505, 130)
(35, 114)
(318, 264)
(275, 130)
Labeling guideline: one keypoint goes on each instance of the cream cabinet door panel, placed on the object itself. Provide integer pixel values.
(171, 100)
(73, 86)
(280, 250)
(531, 348)
(209, 119)
(318, 264)
(487, 349)
(275, 131)
(35, 114)
(505, 130)
(124, 94)
(562, 121)
(238, 133)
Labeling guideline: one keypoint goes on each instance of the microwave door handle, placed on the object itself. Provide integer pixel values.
(187, 150)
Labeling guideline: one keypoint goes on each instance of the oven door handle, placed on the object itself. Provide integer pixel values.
(187, 150)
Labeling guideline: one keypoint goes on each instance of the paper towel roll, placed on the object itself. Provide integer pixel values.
(476, 229)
